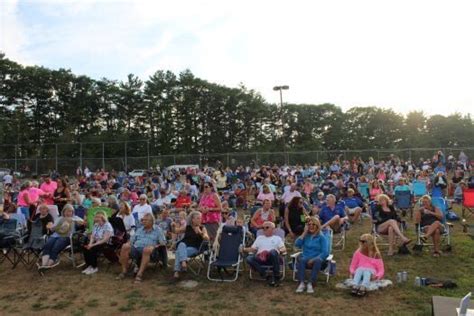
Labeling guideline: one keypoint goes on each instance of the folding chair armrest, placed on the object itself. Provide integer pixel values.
(296, 255)
(330, 257)
(449, 224)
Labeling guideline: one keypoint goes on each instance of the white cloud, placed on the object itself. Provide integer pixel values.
(405, 55)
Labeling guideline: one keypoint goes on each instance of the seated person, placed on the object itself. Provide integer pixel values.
(143, 246)
(262, 215)
(332, 215)
(43, 216)
(366, 265)
(318, 203)
(164, 222)
(126, 215)
(62, 229)
(177, 226)
(354, 205)
(267, 249)
(458, 192)
(102, 231)
(265, 194)
(142, 208)
(387, 222)
(401, 186)
(315, 248)
(183, 201)
(194, 234)
(228, 216)
(430, 217)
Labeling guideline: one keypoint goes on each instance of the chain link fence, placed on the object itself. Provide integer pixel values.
(30, 159)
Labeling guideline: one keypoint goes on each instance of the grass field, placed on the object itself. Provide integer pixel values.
(66, 291)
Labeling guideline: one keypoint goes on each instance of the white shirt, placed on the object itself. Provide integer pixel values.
(128, 221)
(288, 195)
(264, 243)
(7, 179)
(142, 210)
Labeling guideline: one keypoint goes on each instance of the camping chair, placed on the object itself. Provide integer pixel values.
(228, 255)
(381, 239)
(402, 202)
(30, 253)
(280, 233)
(419, 189)
(11, 239)
(363, 189)
(339, 243)
(468, 203)
(442, 204)
(197, 262)
(325, 266)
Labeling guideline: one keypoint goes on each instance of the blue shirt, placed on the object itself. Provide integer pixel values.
(314, 246)
(144, 238)
(327, 213)
(352, 202)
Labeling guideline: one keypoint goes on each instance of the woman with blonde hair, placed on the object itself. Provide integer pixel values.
(366, 265)
(100, 236)
(430, 217)
(125, 213)
(387, 222)
(315, 248)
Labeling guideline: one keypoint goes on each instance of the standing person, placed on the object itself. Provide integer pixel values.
(24, 201)
(62, 195)
(366, 265)
(48, 187)
(210, 207)
(315, 248)
(295, 217)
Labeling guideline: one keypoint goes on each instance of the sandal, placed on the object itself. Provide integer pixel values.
(407, 242)
(354, 290)
(121, 276)
(138, 279)
(362, 292)
(436, 254)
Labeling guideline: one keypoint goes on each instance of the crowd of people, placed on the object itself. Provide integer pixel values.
(142, 219)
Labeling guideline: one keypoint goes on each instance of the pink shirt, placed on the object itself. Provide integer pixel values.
(49, 188)
(21, 198)
(266, 196)
(359, 260)
(35, 194)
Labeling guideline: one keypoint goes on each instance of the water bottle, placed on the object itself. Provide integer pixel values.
(399, 277)
(404, 276)
(417, 281)
(332, 267)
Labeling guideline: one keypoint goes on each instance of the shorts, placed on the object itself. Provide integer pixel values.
(136, 253)
(351, 211)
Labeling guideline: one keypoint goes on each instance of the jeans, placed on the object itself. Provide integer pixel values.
(183, 252)
(273, 260)
(362, 276)
(54, 246)
(303, 263)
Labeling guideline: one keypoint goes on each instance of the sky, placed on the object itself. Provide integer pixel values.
(405, 55)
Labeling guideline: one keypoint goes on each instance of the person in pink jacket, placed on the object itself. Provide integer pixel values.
(366, 265)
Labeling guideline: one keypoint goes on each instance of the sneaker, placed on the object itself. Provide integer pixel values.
(56, 263)
(300, 288)
(92, 271)
(309, 288)
(86, 270)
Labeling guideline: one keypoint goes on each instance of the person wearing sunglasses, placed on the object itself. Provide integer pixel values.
(142, 208)
(366, 265)
(210, 207)
(315, 247)
(267, 249)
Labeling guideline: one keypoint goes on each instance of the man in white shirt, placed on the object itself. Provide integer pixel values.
(7, 179)
(142, 208)
(290, 194)
(267, 249)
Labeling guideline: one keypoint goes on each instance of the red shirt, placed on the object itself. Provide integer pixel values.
(182, 201)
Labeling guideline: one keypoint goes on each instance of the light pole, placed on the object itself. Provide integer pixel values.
(281, 88)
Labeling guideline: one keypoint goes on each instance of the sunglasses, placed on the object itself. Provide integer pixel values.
(225, 213)
(266, 227)
(362, 241)
(311, 224)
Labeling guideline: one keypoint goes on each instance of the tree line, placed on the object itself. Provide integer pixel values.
(184, 114)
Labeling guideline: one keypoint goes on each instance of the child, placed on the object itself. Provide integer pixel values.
(366, 265)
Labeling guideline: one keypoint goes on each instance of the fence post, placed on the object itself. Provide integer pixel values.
(56, 167)
(148, 154)
(174, 159)
(103, 156)
(228, 160)
(80, 155)
(125, 157)
(16, 157)
(256, 159)
(317, 156)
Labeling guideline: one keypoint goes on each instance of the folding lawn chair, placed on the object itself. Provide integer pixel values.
(468, 203)
(363, 189)
(325, 266)
(31, 251)
(228, 255)
(280, 233)
(12, 238)
(419, 189)
(403, 201)
(197, 262)
(442, 204)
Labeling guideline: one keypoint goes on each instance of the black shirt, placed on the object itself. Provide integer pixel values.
(381, 216)
(44, 221)
(191, 238)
